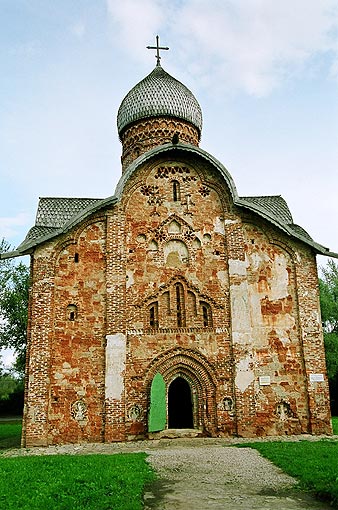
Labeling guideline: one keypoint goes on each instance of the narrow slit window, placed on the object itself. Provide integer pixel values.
(71, 312)
(180, 305)
(76, 258)
(192, 307)
(153, 315)
(206, 315)
(176, 191)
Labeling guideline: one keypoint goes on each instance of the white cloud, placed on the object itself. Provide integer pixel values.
(78, 29)
(26, 50)
(252, 45)
(9, 226)
(135, 23)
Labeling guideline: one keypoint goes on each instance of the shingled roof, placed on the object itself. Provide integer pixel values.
(55, 212)
(275, 205)
(52, 215)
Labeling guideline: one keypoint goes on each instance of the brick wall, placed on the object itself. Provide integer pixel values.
(174, 279)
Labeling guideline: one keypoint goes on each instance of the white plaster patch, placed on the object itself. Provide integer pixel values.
(223, 279)
(240, 311)
(279, 278)
(244, 375)
(240, 337)
(230, 222)
(255, 307)
(115, 365)
(256, 259)
(130, 278)
(283, 336)
(237, 267)
(219, 226)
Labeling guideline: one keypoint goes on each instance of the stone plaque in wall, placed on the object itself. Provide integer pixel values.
(264, 380)
(316, 377)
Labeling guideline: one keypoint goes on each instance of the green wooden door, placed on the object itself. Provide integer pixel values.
(158, 405)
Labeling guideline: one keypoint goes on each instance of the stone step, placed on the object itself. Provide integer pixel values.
(175, 433)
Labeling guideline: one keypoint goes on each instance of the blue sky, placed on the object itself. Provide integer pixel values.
(264, 72)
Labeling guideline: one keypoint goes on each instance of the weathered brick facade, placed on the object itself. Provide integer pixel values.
(174, 275)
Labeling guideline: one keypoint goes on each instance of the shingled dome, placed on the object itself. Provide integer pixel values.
(158, 95)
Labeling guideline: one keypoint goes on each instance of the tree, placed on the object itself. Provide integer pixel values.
(328, 286)
(14, 285)
(9, 383)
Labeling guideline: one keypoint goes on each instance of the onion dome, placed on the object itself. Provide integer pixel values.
(159, 95)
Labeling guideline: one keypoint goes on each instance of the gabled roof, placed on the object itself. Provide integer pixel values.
(56, 216)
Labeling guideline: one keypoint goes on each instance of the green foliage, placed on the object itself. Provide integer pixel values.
(8, 385)
(328, 286)
(14, 285)
(314, 464)
(335, 424)
(329, 297)
(331, 354)
(97, 482)
(10, 434)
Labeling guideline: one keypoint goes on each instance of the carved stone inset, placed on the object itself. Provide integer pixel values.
(79, 410)
(166, 172)
(283, 410)
(160, 235)
(153, 194)
(227, 404)
(135, 412)
(204, 191)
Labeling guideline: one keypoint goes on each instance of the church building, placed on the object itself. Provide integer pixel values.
(175, 303)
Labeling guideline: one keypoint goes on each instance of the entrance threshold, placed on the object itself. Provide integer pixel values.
(174, 433)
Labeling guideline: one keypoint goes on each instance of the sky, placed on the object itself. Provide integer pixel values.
(264, 72)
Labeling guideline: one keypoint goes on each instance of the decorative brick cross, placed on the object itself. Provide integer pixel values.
(157, 48)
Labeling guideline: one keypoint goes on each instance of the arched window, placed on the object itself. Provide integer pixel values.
(192, 303)
(180, 305)
(176, 191)
(206, 314)
(153, 315)
(153, 245)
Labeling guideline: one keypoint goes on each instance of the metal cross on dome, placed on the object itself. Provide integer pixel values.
(157, 48)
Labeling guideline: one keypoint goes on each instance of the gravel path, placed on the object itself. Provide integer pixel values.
(205, 473)
(224, 479)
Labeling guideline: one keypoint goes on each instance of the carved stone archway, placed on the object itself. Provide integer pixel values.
(194, 368)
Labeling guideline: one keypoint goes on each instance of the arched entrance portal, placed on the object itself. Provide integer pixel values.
(180, 409)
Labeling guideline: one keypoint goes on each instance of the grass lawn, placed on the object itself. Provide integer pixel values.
(116, 482)
(10, 434)
(64, 482)
(314, 464)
